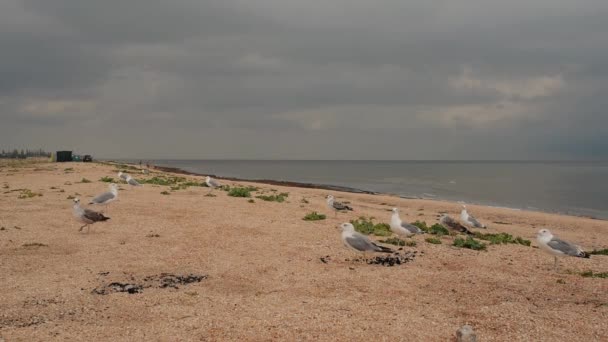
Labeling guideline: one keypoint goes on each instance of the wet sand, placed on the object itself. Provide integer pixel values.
(261, 273)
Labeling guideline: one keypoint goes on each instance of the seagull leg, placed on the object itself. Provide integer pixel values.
(555, 264)
(81, 228)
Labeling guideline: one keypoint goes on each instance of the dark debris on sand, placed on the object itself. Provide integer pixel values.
(161, 281)
(392, 260)
(388, 260)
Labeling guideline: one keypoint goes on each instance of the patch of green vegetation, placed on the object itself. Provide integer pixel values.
(599, 251)
(210, 195)
(84, 180)
(162, 180)
(591, 274)
(68, 169)
(27, 193)
(240, 192)
(251, 201)
(433, 240)
(314, 216)
(165, 193)
(398, 242)
(107, 179)
(367, 226)
(34, 244)
(502, 238)
(435, 229)
(274, 198)
(469, 243)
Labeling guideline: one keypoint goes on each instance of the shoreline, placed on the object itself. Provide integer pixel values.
(330, 187)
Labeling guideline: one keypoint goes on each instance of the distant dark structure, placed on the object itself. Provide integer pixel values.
(87, 158)
(64, 156)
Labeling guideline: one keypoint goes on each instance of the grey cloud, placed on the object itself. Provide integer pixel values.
(511, 80)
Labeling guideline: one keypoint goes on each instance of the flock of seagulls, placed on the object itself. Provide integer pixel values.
(361, 243)
(351, 238)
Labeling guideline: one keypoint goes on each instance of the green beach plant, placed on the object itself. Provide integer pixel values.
(502, 238)
(314, 216)
(469, 243)
(367, 226)
(433, 240)
(239, 192)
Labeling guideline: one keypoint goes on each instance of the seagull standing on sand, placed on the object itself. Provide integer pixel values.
(360, 242)
(132, 181)
(212, 183)
(87, 216)
(122, 175)
(107, 197)
(336, 206)
(468, 219)
(451, 224)
(557, 247)
(402, 228)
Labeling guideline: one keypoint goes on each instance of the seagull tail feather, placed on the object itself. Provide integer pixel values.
(384, 249)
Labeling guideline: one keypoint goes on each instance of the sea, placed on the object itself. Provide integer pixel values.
(569, 187)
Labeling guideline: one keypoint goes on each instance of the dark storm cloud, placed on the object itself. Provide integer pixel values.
(277, 79)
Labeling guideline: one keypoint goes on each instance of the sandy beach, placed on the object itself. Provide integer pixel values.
(259, 268)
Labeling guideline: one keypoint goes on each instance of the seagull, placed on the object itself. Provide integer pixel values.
(212, 183)
(123, 175)
(336, 206)
(87, 216)
(107, 197)
(360, 242)
(402, 228)
(469, 220)
(557, 247)
(450, 223)
(132, 181)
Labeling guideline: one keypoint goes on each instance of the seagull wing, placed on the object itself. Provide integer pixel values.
(341, 206)
(363, 244)
(567, 248)
(473, 221)
(106, 196)
(133, 182)
(411, 228)
(94, 216)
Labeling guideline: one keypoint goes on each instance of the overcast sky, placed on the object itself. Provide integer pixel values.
(314, 79)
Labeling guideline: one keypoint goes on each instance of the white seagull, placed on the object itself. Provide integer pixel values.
(402, 228)
(106, 197)
(212, 183)
(87, 216)
(469, 219)
(336, 206)
(360, 242)
(557, 247)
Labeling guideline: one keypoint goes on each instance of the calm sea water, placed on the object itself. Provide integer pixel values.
(578, 188)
